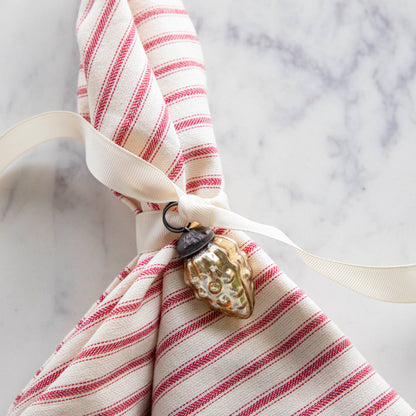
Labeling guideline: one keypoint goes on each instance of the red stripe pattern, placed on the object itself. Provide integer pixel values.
(147, 346)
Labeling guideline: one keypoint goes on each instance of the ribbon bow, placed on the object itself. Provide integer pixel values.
(134, 177)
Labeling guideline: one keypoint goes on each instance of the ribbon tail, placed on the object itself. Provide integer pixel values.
(386, 283)
(109, 163)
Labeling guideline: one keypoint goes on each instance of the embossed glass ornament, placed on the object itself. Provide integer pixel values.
(215, 268)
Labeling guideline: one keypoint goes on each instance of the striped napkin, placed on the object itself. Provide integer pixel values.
(147, 346)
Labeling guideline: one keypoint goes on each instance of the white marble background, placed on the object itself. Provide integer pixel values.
(314, 109)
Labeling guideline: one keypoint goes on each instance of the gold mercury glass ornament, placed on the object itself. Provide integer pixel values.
(215, 268)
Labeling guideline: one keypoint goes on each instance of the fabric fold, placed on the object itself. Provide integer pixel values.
(147, 346)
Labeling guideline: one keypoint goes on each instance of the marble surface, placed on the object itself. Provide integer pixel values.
(314, 109)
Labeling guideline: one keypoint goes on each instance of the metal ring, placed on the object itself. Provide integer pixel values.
(167, 225)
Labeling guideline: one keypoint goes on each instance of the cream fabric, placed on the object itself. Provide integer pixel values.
(134, 177)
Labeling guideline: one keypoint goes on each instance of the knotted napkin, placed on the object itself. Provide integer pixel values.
(147, 346)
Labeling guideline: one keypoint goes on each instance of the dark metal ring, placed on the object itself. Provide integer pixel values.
(167, 225)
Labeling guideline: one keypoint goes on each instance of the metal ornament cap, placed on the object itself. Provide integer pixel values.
(193, 240)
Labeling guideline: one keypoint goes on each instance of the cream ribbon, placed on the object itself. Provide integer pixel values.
(128, 174)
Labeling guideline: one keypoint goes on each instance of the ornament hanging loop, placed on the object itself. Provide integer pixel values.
(165, 221)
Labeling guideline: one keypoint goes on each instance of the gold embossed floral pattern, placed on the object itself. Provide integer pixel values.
(220, 275)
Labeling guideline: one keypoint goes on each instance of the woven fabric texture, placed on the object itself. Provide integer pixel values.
(147, 346)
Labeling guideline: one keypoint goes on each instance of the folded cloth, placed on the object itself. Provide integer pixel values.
(147, 346)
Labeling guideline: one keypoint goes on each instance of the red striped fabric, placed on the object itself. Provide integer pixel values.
(147, 346)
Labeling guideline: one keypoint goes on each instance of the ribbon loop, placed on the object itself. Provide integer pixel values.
(134, 177)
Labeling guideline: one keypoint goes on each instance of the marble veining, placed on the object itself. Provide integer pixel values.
(313, 106)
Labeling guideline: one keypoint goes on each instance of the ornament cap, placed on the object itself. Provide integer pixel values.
(193, 240)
